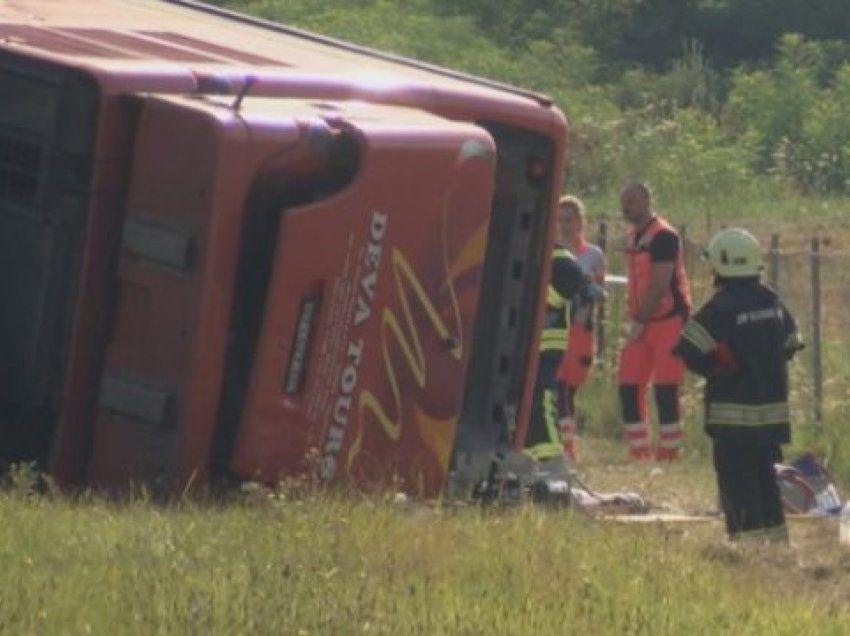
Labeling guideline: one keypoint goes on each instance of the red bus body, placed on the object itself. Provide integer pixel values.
(235, 249)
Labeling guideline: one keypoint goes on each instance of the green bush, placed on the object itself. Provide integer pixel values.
(795, 113)
(694, 130)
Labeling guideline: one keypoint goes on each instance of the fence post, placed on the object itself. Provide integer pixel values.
(773, 263)
(817, 366)
(602, 242)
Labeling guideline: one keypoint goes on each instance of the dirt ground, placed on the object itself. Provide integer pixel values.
(813, 564)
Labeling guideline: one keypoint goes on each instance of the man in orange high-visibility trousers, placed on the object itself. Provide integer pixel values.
(581, 348)
(658, 304)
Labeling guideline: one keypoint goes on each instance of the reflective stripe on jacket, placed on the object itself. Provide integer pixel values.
(553, 338)
(740, 341)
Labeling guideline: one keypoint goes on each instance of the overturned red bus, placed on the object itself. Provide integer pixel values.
(234, 249)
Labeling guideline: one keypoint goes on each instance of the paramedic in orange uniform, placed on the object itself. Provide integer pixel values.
(658, 304)
(581, 348)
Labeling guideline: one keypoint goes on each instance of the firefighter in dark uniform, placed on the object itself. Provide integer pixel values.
(543, 439)
(741, 341)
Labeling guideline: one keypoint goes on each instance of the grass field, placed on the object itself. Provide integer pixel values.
(321, 565)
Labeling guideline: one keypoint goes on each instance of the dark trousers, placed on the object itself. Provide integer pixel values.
(543, 438)
(749, 494)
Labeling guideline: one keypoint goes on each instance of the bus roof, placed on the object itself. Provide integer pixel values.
(193, 33)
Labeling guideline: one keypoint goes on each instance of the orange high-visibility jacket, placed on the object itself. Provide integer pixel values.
(639, 268)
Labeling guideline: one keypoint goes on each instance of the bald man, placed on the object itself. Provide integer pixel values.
(658, 304)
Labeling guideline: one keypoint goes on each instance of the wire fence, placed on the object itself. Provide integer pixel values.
(811, 275)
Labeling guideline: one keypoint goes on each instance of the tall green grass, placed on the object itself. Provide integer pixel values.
(327, 566)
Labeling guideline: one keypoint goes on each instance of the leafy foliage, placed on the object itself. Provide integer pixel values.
(798, 120)
(697, 96)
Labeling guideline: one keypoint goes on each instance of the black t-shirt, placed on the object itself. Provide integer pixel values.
(664, 248)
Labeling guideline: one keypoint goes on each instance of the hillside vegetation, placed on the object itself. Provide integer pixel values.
(700, 97)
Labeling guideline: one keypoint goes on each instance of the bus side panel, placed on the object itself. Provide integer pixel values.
(360, 371)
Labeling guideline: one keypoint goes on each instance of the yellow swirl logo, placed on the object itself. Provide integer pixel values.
(404, 334)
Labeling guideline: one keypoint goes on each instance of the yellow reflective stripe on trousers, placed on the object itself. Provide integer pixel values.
(730, 414)
(550, 414)
(553, 447)
(546, 450)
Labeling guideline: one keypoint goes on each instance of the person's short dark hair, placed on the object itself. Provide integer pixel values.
(641, 186)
